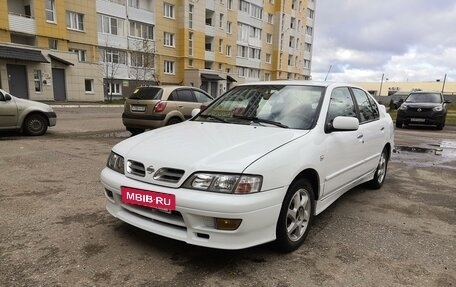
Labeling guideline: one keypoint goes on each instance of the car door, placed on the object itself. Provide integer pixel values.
(371, 128)
(187, 102)
(8, 112)
(343, 150)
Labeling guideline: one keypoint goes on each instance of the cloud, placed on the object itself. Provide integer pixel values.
(405, 40)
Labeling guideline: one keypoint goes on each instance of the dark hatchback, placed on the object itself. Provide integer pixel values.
(423, 108)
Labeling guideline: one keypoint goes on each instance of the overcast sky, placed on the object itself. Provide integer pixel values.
(407, 40)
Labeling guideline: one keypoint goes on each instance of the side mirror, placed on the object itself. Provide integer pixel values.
(447, 102)
(7, 97)
(195, 112)
(382, 109)
(401, 101)
(345, 124)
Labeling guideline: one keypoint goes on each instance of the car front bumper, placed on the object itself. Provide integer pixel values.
(52, 117)
(429, 118)
(193, 220)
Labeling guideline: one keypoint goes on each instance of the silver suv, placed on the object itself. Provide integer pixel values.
(30, 117)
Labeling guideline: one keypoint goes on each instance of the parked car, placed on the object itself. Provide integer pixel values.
(423, 108)
(255, 166)
(157, 106)
(30, 117)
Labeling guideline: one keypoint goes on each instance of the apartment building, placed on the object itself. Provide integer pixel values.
(211, 44)
(48, 50)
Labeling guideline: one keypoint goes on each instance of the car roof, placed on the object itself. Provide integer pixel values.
(300, 83)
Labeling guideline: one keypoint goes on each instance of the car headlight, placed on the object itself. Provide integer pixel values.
(438, 109)
(225, 183)
(116, 162)
(403, 107)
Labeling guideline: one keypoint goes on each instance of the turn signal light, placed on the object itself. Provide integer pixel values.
(227, 224)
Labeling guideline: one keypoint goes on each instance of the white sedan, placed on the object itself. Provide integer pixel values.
(255, 166)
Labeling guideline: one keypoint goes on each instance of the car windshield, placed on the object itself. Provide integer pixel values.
(424, 98)
(147, 93)
(284, 106)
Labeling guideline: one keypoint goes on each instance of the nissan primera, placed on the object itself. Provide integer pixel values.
(255, 166)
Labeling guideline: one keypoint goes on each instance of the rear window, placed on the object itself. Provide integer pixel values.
(147, 93)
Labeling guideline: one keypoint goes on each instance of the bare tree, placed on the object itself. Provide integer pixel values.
(142, 56)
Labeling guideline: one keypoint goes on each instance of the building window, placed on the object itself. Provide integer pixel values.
(307, 64)
(37, 80)
(293, 4)
(244, 6)
(50, 11)
(53, 44)
(293, 23)
(242, 72)
(114, 89)
(268, 58)
(169, 67)
(190, 62)
(168, 10)
(309, 30)
(110, 25)
(242, 51)
(143, 60)
(290, 60)
(256, 11)
(112, 56)
(270, 18)
(228, 50)
(269, 38)
(75, 21)
(222, 20)
(88, 83)
(271, 1)
(254, 53)
(229, 27)
(133, 3)
(190, 43)
(190, 15)
(220, 66)
(267, 76)
(141, 30)
(229, 4)
(168, 39)
(291, 43)
(308, 47)
(310, 13)
(82, 54)
(220, 46)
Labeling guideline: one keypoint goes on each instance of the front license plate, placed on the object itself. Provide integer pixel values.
(418, 120)
(153, 199)
(138, 108)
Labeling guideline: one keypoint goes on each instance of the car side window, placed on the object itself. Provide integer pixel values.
(185, 95)
(173, 96)
(2, 97)
(201, 97)
(366, 112)
(374, 107)
(341, 104)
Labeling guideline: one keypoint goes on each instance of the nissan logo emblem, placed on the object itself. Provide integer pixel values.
(419, 110)
(150, 169)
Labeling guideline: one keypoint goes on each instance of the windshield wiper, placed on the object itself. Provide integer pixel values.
(259, 120)
(220, 119)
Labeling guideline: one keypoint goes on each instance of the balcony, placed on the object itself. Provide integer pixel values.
(22, 24)
(141, 15)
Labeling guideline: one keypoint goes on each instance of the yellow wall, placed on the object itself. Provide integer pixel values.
(450, 87)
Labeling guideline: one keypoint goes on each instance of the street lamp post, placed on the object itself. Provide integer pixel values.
(381, 84)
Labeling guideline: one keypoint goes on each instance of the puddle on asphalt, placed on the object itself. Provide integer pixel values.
(442, 154)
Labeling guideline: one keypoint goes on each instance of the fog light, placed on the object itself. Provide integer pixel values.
(227, 224)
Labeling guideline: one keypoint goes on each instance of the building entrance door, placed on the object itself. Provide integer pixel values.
(17, 81)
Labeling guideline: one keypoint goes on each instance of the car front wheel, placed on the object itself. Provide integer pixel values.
(35, 125)
(296, 216)
(380, 172)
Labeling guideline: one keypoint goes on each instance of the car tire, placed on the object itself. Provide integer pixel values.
(173, 121)
(135, 131)
(398, 124)
(296, 216)
(35, 125)
(380, 172)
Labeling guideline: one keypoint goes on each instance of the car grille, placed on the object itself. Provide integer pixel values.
(421, 110)
(169, 175)
(172, 219)
(136, 168)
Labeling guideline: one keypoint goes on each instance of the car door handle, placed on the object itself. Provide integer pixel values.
(180, 106)
(360, 136)
(382, 129)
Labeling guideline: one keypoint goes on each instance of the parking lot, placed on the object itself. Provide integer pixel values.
(55, 230)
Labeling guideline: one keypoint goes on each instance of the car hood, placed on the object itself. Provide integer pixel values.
(202, 146)
(421, 105)
(24, 104)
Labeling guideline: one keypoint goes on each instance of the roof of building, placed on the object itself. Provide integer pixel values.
(15, 53)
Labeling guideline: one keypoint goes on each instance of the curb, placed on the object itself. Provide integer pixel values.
(87, 106)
